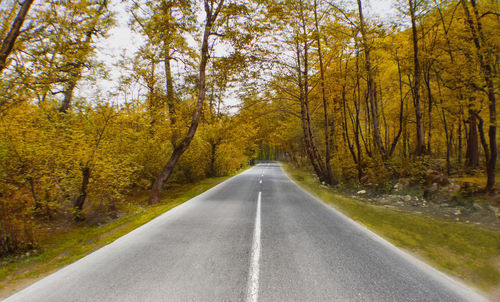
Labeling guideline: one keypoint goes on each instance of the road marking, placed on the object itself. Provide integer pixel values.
(260, 181)
(253, 275)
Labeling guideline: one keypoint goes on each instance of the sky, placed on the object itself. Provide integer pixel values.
(122, 40)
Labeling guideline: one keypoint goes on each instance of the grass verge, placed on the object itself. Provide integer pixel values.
(76, 242)
(466, 251)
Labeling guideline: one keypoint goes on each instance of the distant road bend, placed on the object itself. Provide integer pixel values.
(255, 237)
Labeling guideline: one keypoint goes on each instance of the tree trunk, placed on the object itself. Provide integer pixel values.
(357, 104)
(68, 95)
(310, 141)
(75, 73)
(328, 176)
(420, 144)
(459, 134)
(427, 79)
(448, 140)
(303, 118)
(10, 39)
(401, 110)
(80, 200)
(171, 103)
(211, 16)
(488, 74)
(310, 129)
(213, 154)
(472, 153)
(370, 85)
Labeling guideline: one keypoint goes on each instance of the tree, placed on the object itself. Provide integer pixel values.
(10, 39)
(413, 6)
(318, 37)
(485, 61)
(371, 84)
(212, 11)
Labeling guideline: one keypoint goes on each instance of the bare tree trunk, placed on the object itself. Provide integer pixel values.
(10, 39)
(317, 162)
(171, 103)
(482, 136)
(488, 75)
(68, 95)
(370, 85)
(401, 110)
(310, 129)
(357, 131)
(346, 129)
(80, 199)
(448, 142)
(447, 131)
(420, 147)
(328, 176)
(357, 105)
(213, 154)
(211, 16)
(472, 153)
(303, 118)
(459, 134)
(427, 79)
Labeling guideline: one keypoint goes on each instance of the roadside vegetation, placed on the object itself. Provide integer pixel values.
(466, 251)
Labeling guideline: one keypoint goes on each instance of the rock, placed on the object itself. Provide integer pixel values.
(476, 206)
(431, 189)
(323, 183)
(444, 204)
(406, 198)
(361, 192)
(457, 212)
(388, 199)
(398, 187)
(433, 176)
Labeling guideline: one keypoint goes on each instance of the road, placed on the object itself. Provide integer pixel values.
(255, 237)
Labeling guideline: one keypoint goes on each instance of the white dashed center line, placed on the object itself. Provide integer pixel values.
(253, 275)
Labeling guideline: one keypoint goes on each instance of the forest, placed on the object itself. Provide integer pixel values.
(361, 101)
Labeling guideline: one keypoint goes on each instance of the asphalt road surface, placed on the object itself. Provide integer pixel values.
(255, 237)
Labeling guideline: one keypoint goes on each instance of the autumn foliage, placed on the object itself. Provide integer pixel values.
(68, 149)
(323, 84)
